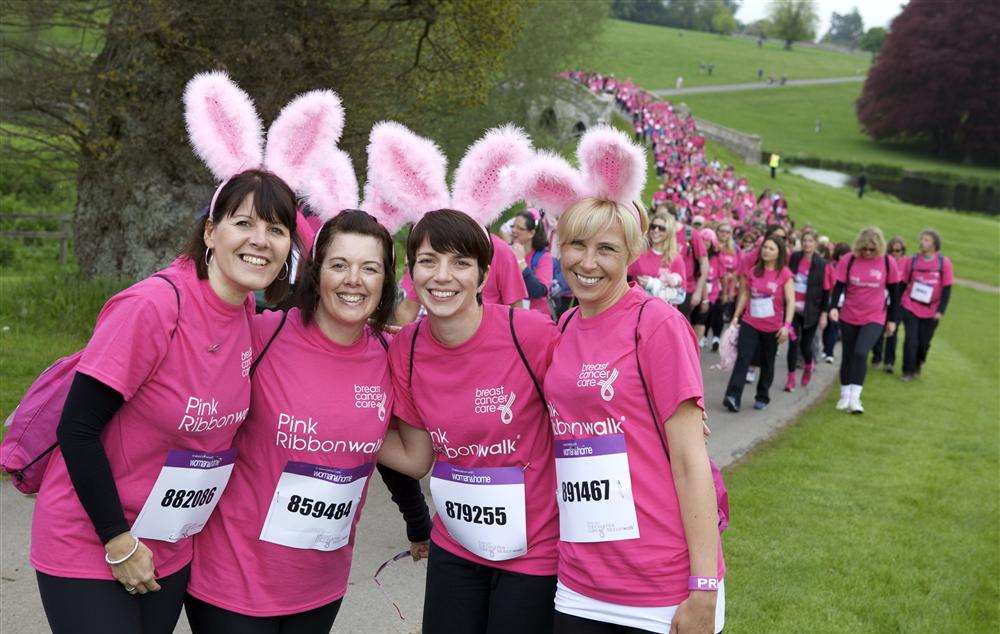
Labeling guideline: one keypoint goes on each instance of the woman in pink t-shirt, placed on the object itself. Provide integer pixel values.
(531, 248)
(727, 263)
(660, 269)
(927, 277)
(766, 305)
(865, 278)
(467, 392)
(146, 435)
(321, 398)
(809, 271)
(639, 541)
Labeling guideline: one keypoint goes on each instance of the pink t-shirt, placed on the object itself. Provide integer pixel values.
(865, 292)
(504, 284)
(457, 395)
(544, 274)
(714, 278)
(771, 284)
(315, 403)
(653, 569)
(802, 282)
(691, 252)
(729, 263)
(926, 272)
(189, 393)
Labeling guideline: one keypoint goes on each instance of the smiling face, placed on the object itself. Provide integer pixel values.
(446, 283)
(248, 252)
(521, 233)
(769, 252)
(351, 280)
(595, 268)
(808, 243)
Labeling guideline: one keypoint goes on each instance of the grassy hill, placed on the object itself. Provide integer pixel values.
(654, 56)
(785, 118)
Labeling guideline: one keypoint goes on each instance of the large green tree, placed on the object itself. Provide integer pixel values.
(845, 29)
(115, 107)
(793, 20)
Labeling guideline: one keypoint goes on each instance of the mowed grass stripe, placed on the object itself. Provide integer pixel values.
(886, 522)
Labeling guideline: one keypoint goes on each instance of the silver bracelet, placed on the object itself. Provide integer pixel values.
(115, 562)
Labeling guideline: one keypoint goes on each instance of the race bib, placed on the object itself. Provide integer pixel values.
(708, 288)
(483, 509)
(595, 490)
(921, 292)
(762, 307)
(184, 494)
(801, 283)
(314, 506)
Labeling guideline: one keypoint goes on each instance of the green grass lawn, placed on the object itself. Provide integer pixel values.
(886, 522)
(970, 240)
(654, 56)
(785, 118)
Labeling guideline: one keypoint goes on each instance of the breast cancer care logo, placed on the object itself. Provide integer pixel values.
(495, 399)
(598, 375)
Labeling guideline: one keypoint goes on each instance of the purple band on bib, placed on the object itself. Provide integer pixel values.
(486, 475)
(587, 447)
(200, 459)
(330, 474)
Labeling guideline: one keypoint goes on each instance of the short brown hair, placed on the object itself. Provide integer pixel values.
(450, 231)
(273, 200)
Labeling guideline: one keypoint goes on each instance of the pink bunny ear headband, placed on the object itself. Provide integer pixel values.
(407, 175)
(612, 167)
(226, 134)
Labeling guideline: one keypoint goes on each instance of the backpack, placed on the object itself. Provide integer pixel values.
(30, 430)
(721, 494)
(560, 287)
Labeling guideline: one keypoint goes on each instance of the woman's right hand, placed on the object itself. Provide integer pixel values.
(833, 315)
(137, 571)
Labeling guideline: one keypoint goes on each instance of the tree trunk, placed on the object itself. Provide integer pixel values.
(788, 45)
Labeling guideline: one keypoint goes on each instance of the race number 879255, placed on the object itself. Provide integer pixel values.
(488, 515)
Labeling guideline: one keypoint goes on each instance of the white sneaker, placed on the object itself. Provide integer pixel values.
(701, 343)
(829, 359)
(855, 405)
(751, 375)
(845, 397)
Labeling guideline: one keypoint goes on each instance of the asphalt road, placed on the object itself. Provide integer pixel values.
(757, 85)
(381, 533)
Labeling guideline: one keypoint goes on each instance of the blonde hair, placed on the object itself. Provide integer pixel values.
(728, 245)
(670, 248)
(590, 216)
(869, 237)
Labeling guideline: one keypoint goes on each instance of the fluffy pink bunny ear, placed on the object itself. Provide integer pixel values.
(407, 171)
(613, 167)
(222, 124)
(546, 181)
(392, 218)
(477, 188)
(331, 186)
(305, 130)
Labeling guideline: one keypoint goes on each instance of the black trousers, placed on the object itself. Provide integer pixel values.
(569, 624)
(96, 606)
(803, 341)
(885, 349)
(751, 344)
(716, 317)
(463, 597)
(919, 333)
(831, 335)
(857, 342)
(206, 618)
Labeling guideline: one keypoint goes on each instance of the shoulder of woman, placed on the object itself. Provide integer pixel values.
(153, 293)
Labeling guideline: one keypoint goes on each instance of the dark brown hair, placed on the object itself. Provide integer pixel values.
(539, 241)
(273, 201)
(355, 222)
(450, 231)
(779, 263)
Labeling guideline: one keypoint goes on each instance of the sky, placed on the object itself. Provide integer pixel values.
(873, 12)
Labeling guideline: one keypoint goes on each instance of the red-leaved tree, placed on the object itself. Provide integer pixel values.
(937, 78)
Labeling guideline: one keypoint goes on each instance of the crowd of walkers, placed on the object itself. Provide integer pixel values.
(783, 283)
(214, 456)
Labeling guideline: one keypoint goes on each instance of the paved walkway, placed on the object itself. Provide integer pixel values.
(381, 533)
(759, 85)
(979, 286)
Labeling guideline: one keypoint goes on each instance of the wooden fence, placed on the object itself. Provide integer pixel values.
(63, 234)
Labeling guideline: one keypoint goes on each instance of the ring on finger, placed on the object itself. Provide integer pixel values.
(130, 589)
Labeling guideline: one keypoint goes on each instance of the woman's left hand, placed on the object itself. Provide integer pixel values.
(783, 335)
(890, 329)
(420, 550)
(696, 615)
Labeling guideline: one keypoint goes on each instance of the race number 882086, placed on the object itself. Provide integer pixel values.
(488, 515)
(186, 499)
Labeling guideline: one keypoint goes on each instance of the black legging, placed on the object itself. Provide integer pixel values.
(803, 341)
(463, 597)
(751, 344)
(716, 317)
(206, 618)
(856, 343)
(919, 333)
(96, 606)
(885, 349)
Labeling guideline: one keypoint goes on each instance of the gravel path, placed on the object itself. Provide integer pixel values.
(758, 85)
